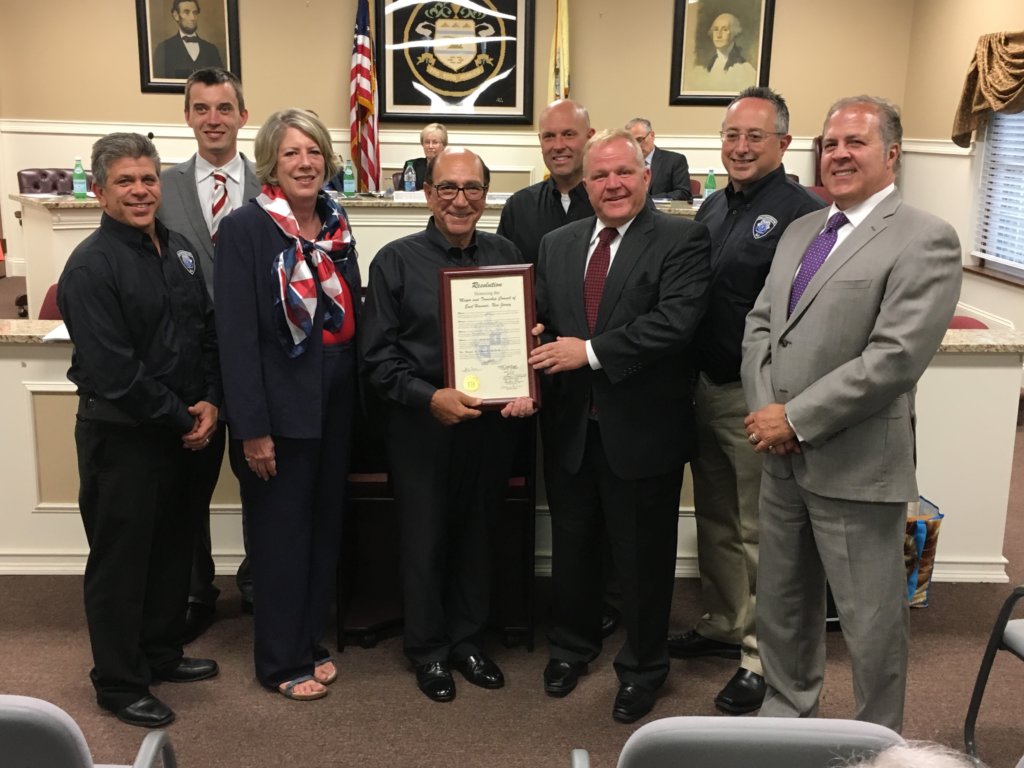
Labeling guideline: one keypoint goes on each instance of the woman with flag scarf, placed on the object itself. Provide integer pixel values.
(287, 290)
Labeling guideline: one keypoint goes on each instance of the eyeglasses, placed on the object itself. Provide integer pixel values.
(753, 137)
(473, 192)
(642, 139)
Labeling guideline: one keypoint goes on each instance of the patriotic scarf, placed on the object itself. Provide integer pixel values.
(295, 266)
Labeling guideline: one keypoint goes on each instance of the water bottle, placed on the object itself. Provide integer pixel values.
(78, 182)
(710, 185)
(348, 180)
(409, 178)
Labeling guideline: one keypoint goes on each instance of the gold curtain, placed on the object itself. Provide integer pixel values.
(995, 81)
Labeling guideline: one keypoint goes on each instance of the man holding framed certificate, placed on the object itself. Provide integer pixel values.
(620, 295)
(449, 457)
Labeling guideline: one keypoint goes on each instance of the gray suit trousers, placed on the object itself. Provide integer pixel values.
(858, 547)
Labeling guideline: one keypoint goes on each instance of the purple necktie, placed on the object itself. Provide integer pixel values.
(815, 256)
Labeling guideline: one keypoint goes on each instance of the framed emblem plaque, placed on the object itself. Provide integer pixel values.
(464, 62)
(486, 317)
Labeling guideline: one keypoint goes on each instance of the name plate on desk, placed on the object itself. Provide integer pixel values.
(486, 317)
(416, 196)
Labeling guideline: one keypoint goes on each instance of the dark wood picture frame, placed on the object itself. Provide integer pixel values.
(694, 81)
(421, 80)
(217, 30)
(529, 341)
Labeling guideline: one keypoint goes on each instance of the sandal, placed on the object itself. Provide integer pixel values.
(287, 689)
(330, 678)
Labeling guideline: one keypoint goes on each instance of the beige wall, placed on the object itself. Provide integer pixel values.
(913, 51)
(942, 44)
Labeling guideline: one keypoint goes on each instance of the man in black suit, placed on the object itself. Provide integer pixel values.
(184, 52)
(670, 175)
(619, 295)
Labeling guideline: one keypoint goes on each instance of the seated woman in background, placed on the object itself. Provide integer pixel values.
(287, 289)
(433, 138)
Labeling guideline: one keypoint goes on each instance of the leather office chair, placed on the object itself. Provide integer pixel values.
(397, 181)
(1006, 635)
(966, 322)
(820, 192)
(34, 733)
(742, 742)
(695, 187)
(49, 309)
(48, 181)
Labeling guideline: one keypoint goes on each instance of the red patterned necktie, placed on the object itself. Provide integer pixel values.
(597, 270)
(219, 203)
(814, 257)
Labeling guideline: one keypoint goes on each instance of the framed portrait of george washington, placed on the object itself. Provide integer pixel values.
(719, 47)
(466, 61)
(177, 37)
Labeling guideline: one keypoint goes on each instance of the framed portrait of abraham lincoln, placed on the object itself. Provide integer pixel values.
(177, 37)
(469, 61)
(719, 47)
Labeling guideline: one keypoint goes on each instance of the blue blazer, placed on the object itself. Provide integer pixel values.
(266, 392)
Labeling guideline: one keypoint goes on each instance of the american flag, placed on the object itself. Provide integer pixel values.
(363, 105)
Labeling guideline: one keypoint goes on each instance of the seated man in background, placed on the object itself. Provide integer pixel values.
(145, 364)
(670, 175)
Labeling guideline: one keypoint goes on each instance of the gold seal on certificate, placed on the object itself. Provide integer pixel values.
(486, 316)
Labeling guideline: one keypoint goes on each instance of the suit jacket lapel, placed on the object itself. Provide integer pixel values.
(630, 250)
(250, 184)
(189, 197)
(575, 264)
(875, 223)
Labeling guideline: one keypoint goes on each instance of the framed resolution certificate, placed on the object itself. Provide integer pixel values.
(486, 317)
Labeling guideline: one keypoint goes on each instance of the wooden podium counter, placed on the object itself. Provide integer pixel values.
(54, 224)
(966, 407)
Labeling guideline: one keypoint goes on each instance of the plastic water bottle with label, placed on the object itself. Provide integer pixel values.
(348, 180)
(710, 185)
(409, 178)
(78, 181)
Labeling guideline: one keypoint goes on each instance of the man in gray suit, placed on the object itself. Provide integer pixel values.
(197, 194)
(856, 303)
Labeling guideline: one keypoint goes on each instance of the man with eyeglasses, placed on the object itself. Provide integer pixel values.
(670, 174)
(746, 223)
(449, 460)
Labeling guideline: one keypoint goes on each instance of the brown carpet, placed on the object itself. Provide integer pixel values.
(375, 716)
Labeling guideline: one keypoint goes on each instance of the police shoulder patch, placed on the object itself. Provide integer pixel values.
(764, 225)
(188, 261)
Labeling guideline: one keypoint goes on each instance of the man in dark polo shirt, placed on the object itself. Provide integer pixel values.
(746, 222)
(145, 364)
(547, 205)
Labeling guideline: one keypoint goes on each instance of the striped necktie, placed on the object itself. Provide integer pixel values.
(220, 204)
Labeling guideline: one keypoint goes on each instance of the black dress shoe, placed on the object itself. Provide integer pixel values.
(743, 693)
(610, 618)
(632, 702)
(690, 645)
(198, 618)
(147, 712)
(189, 671)
(480, 670)
(560, 677)
(247, 606)
(435, 680)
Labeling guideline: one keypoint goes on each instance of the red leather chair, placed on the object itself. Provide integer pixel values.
(695, 187)
(49, 181)
(49, 310)
(820, 192)
(965, 322)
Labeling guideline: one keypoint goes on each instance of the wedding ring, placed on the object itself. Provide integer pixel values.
(771, 449)
(754, 439)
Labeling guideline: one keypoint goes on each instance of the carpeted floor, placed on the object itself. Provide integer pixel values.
(375, 716)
